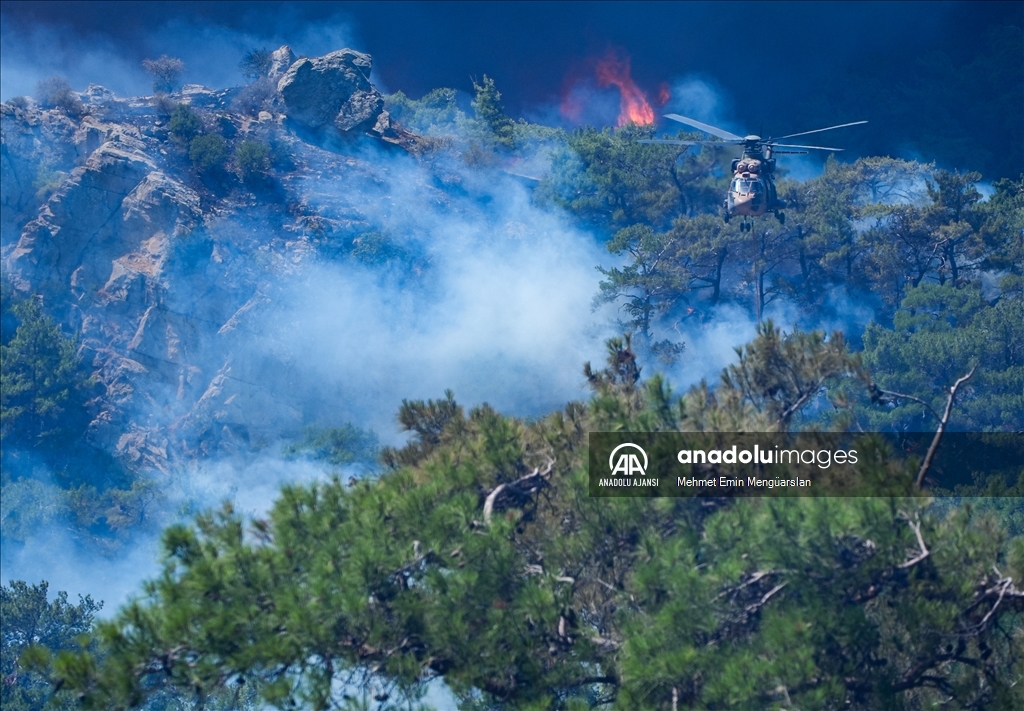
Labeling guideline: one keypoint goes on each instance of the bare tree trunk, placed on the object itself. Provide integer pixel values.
(759, 292)
(716, 284)
(759, 269)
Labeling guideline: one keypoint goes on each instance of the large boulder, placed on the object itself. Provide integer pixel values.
(332, 90)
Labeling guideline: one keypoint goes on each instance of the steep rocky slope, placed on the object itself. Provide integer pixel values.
(162, 267)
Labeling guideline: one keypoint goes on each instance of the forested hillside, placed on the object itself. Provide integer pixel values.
(202, 277)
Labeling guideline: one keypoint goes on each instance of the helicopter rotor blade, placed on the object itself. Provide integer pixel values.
(819, 130)
(685, 143)
(705, 127)
(793, 145)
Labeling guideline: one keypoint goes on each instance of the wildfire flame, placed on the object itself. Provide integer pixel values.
(614, 70)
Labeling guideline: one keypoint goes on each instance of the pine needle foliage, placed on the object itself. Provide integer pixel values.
(31, 625)
(42, 387)
(478, 557)
(491, 114)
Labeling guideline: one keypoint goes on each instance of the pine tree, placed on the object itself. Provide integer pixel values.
(479, 558)
(490, 112)
(43, 390)
(30, 619)
(938, 335)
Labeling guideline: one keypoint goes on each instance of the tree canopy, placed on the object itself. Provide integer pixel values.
(43, 386)
(30, 618)
(166, 72)
(479, 558)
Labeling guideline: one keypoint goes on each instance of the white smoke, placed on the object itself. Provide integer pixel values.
(500, 315)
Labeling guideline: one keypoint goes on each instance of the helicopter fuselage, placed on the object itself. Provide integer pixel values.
(752, 190)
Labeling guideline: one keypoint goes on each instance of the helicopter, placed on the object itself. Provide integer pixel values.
(752, 190)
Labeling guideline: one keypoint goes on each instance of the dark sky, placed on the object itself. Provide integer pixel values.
(763, 59)
(529, 47)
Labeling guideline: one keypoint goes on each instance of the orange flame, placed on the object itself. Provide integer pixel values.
(634, 108)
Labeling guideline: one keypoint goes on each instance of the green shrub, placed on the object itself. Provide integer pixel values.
(185, 124)
(208, 153)
(47, 180)
(252, 158)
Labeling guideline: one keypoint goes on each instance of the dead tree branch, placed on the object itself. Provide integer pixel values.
(514, 492)
(1002, 589)
(915, 526)
(792, 409)
(877, 393)
(754, 578)
(942, 427)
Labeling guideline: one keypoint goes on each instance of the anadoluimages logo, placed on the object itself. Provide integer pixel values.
(627, 463)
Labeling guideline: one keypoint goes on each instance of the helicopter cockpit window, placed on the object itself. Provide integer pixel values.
(755, 186)
(737, 185)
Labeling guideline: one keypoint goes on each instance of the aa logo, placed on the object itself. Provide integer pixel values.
(627, 463)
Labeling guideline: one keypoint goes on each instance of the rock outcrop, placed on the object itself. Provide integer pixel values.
(163, 271)
(280, 60)
(332, 91)
(115, 201)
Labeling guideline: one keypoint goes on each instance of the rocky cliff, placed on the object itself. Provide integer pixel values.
(162, 266)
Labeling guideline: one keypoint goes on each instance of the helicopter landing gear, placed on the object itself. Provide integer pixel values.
(725, 213)
(745, 226)
(782, 217)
